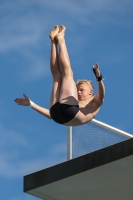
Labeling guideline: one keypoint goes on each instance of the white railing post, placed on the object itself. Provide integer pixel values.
(69, 142)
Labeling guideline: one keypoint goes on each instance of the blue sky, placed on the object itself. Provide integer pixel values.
(97, 31)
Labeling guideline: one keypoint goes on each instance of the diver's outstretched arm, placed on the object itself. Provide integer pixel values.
(41, 110)
(27, 102)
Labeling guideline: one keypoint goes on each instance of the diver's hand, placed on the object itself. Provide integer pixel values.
(96, 70)
(23, 101)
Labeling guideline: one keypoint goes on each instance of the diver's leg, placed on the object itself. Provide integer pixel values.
(54, 66)
(68, 92)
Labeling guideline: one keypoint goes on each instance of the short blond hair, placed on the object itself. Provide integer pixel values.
(86, 82)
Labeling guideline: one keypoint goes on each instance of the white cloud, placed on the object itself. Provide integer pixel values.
(14, 169)
(11, 168)
(11, 139)
(20, 32)
(78, 9)
(25, 26)
(37, 68)
(14, 161)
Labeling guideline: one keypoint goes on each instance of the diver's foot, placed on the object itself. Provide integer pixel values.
(60, 36)
(54, 32)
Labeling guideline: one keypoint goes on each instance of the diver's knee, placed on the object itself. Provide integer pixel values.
(57, 77)
(67, 73)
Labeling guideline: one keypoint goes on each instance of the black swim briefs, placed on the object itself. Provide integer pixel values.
(63, 113)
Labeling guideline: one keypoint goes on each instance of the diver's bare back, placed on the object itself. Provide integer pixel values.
(87, 111)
